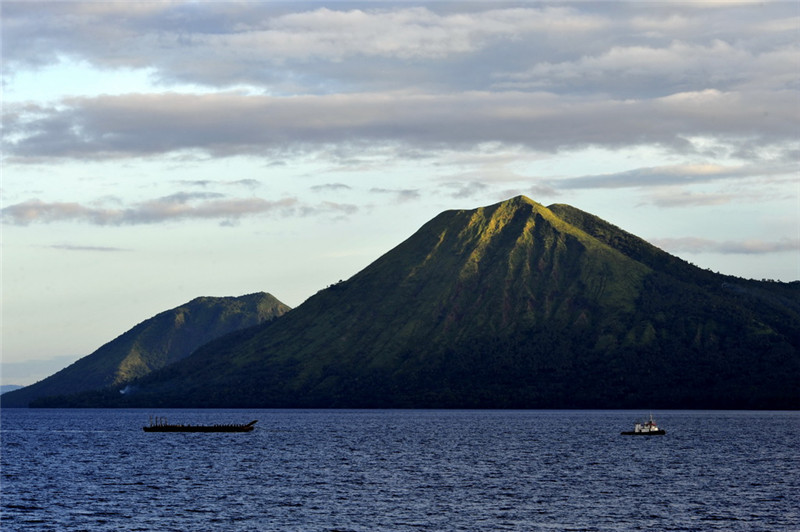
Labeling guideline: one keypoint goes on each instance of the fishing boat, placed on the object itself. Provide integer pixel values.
(646, 428)
(161, 425)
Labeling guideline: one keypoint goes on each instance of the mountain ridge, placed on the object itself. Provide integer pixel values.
(513, 305)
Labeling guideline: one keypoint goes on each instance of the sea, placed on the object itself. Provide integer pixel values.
(400, 470)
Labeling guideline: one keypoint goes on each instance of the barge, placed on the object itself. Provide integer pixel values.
(161, 425)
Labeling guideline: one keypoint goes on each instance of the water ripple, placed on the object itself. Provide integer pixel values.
(356, 471)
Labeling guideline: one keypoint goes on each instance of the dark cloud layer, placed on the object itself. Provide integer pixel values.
(231, 124)
(449, 75)
(656, 47)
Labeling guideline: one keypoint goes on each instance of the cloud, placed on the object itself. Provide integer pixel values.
(681, 174)
(684, 198)
(331, 187)
(197, 182)
(186, 197)
(72, 247)
(339, 210)
(400, 194)
(609, 47)
(733, 247)
(180, 206)
(175, 207)
(252, 184)
(228, 124)
(222, 43)
(414, 79)
(639, 70)
(465, 189)
(247, 183)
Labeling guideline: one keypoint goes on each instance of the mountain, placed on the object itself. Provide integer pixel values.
(154, 344)
(513, 305)
(9, 388)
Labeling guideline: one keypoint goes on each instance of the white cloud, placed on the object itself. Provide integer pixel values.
(684, 198)
(171, 208)
(680, 174)
(338, 210)
(74, 247)
(174, 207)
(465, 189)
(331, 187)
(399, 194)
(733, 247)
(678, 67)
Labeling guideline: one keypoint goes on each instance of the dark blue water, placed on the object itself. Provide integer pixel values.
(400, 470)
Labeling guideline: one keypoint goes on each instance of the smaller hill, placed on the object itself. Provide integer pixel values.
(153, 344)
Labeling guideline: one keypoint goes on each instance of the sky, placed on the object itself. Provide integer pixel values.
(154, 152)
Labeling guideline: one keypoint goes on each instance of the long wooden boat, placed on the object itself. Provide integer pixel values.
(161, 425)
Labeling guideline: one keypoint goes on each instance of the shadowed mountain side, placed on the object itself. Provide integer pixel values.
(509, 306)
(153, 344)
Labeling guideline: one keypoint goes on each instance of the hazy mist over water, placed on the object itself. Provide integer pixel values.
(400, 470)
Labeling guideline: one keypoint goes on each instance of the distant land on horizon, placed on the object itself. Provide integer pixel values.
(26, 372)
(513, 305)
(9, 388)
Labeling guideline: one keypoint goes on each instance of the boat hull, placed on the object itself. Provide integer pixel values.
(648, 433)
